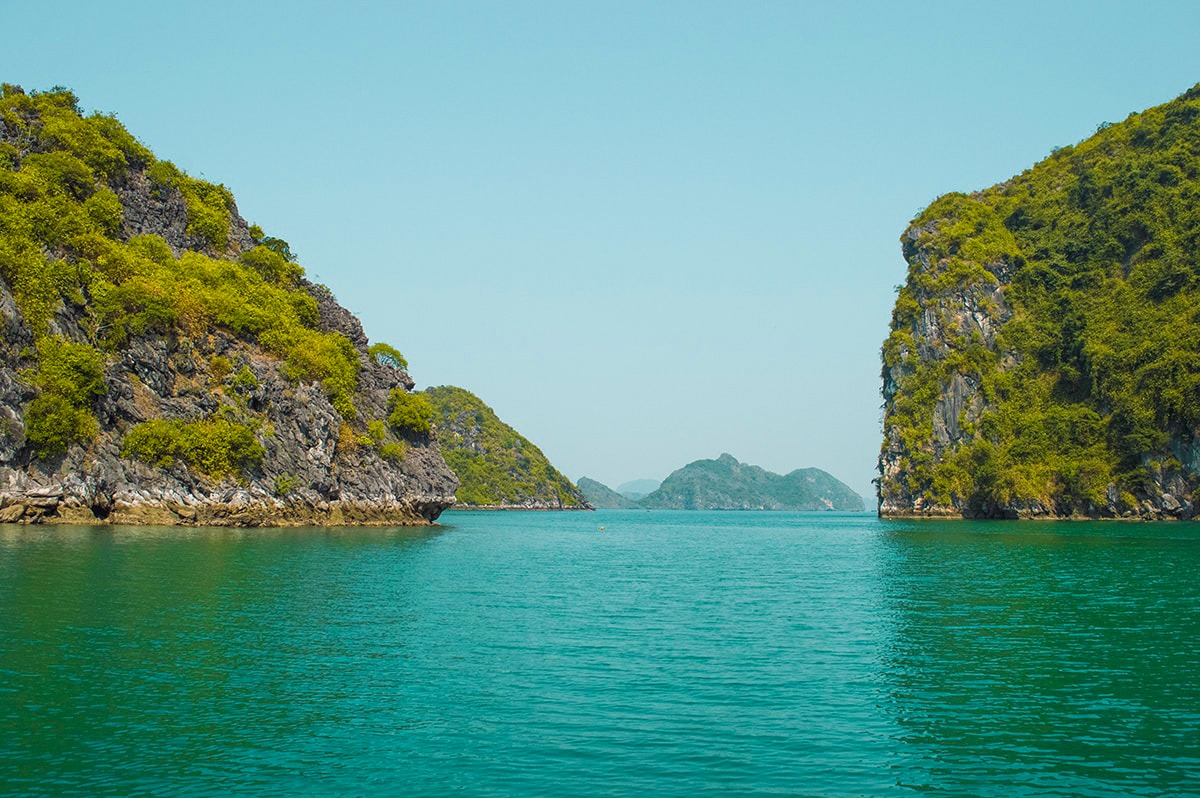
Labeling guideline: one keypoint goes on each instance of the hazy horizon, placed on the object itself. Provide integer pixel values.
(644, 234)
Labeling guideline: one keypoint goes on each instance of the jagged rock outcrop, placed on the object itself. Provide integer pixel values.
(1042, 357)
(334, 481)
(973, 311)
(315, 463)
(153, 209)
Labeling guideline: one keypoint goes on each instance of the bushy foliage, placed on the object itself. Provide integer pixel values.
(326, 357)
(410, 412)
(209, 206)
(71, 370)
(220, 367)
(59, 241)
(348, 441)
(495, 465)
(386, 355)
(1100, 362)
(61, 172)
(104, 209)
(244, 381)
(276, 245)
(272, 266)
(69, 378)
(214, 447)
(393, 452)
(285, 484)
(52, 423)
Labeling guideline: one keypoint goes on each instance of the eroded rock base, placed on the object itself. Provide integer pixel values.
(258, 514)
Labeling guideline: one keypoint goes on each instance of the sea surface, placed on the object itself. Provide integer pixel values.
(667, 654)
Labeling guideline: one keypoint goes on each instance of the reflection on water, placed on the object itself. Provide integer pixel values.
(671, 654)
(138, 658)
(1052, 659)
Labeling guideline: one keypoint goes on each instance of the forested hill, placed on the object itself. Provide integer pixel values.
(1044, 358)
(726, 484)
(496, 465)
(163, 361)
(603, 497)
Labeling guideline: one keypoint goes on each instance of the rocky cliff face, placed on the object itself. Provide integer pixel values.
(919, 367)
(329, 478)
(316, 466)
(1041, 361)
(972, 311)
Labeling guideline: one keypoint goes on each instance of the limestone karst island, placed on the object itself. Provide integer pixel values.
(1044, 356)
(162, 361)
(726, 484)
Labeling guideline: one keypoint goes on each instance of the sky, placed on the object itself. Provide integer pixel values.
(644, 232)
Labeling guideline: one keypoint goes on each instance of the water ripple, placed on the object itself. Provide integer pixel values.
(671, 654)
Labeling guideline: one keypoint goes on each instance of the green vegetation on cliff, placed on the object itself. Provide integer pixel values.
(411, 412)
(69, 376)
(61, 241)
(156, 350)
(1087, 266)
(213, 447)
(495, 464)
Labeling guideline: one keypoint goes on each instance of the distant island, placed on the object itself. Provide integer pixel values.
(603, 497)
(638, 488)
(497, 467)
(726, 484)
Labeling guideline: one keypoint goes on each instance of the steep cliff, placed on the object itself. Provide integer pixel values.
(497, 466)
(726, 484)
(162, 361)
(1044, 358)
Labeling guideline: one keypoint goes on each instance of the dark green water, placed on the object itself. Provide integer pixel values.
(671, 654)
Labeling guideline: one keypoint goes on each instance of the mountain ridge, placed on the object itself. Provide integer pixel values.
(725, 483)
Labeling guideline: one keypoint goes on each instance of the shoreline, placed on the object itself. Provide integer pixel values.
(517, 507)
(276, 514)
(1130, 519)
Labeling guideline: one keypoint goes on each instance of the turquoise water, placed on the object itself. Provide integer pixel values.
(670, 654)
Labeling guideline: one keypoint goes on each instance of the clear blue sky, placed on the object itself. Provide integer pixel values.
(644, 232)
